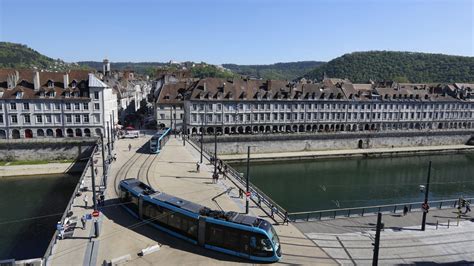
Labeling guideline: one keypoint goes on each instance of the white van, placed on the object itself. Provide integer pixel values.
(131, 134)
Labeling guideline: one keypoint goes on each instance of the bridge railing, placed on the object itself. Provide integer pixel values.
(54, 239)
(370, 210)
(257, 196)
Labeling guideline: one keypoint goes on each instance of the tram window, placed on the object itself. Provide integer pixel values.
(232, 239)
(163, 216)
(215, 235)
(175, 220)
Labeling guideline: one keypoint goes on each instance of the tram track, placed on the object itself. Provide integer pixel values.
(125, 169)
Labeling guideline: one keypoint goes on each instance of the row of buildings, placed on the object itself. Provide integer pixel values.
(77, 103)
(248, 106)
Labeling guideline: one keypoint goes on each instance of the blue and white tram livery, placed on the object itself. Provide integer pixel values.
(228, 232)
(158, 141)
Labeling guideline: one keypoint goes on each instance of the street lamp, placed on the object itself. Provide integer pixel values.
(103, 160)
(425, 206)
(247, 194)
(215, 156)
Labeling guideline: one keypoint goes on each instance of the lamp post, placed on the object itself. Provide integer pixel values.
(111, 131)
(215, 155)
(104, 170)
(108, 138)
(175, 126)
(425, 210)
(247, 194)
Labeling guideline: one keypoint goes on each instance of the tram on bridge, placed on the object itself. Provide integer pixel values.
(158, 141)
(228, 232)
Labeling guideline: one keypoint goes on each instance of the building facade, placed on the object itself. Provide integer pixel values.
(256, 106)
(37, 104)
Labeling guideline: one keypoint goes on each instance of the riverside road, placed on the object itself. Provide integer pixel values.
(174, 171)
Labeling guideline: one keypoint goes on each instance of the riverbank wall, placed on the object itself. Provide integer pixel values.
(282, 143)
(42, 169)
(45, 149)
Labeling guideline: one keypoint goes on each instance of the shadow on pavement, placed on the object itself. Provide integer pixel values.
(120, 216)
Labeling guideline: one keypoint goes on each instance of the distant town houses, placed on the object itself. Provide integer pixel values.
(249, 106)
(36, 104)
(132, 90)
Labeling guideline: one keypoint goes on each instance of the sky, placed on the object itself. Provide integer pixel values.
(230, 31)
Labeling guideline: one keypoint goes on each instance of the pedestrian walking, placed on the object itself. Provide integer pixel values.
(468, 207)
(83, 221)
(459, 212)
(241, 193)
(96, 171)
(115, 156)
(102, 199)
(286, 220)
(198, 165)
(59, 228)
(405, 210)
(86, 201)
(129, 147)
(272, 209)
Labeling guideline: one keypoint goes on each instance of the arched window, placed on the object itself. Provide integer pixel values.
(87, 132)
(49, 132)
(15, 134)
(40, 133)
(69, 133)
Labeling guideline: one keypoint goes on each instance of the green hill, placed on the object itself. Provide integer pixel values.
(13, 55)
(398, 66)
(288, 71)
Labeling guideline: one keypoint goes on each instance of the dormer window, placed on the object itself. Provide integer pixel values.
(50, 84)
(74, 84)
(67, 94)
(19, 95)
(52, 94)
(76, 94)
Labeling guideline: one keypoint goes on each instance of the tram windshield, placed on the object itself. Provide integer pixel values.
(270, 231)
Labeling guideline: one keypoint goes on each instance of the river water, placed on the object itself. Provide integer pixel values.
(30, 206)
(343, 183)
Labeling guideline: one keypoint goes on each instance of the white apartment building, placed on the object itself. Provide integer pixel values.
(239, 106)
(50, 104)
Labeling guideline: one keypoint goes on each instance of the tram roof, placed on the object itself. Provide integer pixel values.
(178, 202)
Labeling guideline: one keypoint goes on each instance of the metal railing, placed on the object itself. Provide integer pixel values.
(54, 239)
(370, 210)
(257, 196)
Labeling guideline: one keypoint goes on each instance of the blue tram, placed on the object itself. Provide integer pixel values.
(157, 142)
(228, 232)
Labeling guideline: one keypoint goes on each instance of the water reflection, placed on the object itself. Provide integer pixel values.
(327, 184)
(22, 198)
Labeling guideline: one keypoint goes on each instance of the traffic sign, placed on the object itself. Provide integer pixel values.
(95, 213)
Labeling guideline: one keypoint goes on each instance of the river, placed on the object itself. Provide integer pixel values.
(30, 206)
(343, 183)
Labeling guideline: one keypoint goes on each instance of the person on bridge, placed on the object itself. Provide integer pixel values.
(129, 147)
(468, 207)
(198, 165)
(83, 221)
(86, 201)
(405, 210)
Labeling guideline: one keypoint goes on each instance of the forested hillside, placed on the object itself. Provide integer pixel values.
(288, 71)
(398, 66)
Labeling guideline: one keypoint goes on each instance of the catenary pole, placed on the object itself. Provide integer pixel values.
(425, 211)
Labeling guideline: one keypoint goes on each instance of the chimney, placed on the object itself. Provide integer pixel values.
(66, 80)
(205, 86)
(36, 81)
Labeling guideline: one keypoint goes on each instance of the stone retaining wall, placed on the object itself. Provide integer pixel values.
(315, 142)
(59, 149)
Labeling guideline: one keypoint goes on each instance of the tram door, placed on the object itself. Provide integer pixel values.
(202, 231)
(245, 245)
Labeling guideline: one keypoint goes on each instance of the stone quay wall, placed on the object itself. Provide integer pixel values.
(274, 143)
(45, 149)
